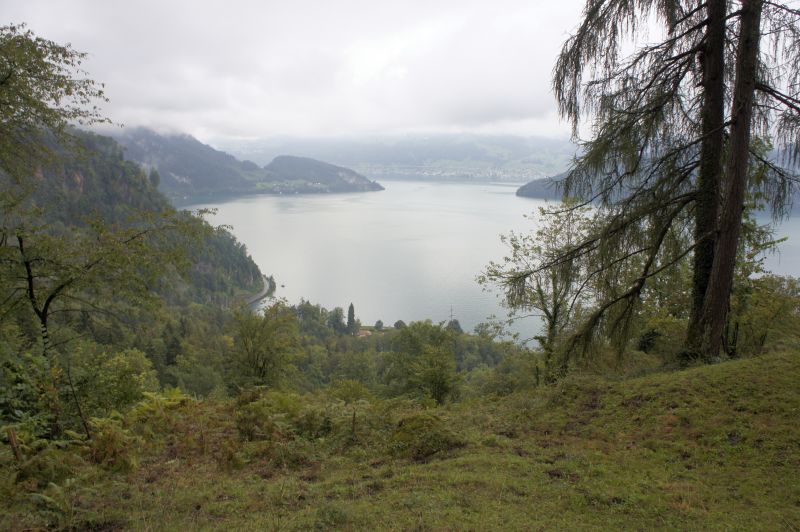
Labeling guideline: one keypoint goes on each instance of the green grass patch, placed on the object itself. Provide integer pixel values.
(714, 447)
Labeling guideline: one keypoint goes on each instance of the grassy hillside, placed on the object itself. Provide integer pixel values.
(715, 447)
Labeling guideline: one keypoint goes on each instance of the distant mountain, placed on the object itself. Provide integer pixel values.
(546, 188)
(328, 177)
(186, 165)
(191, 170)
(458, 156)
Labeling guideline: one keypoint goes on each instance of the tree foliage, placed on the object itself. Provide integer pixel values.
(668, 158)
(423, 361)
(533, 279)
(264, 345)
(43, 91)
(352, 324)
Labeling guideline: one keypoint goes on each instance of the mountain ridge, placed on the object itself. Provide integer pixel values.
(506, 158)
(190, 169)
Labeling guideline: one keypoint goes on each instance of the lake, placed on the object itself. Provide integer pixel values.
(410, 252)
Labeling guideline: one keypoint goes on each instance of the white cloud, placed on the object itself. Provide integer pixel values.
(249, 68)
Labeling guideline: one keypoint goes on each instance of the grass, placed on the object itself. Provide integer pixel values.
(715, 447)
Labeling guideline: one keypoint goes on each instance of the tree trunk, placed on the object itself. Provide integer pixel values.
(710, 172)
(717, 301)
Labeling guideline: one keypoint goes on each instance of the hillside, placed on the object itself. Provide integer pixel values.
(327, 177)
(186, 165)
(190, 170)
(709, 448)
(99, 185)
(438, 156)
(540, 188)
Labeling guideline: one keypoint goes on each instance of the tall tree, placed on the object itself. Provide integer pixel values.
(658, 155)
(709, 175)
(717, 300)
(336, 320)
(48, 270)
(83, 270)
(351, 319)
(263, 346)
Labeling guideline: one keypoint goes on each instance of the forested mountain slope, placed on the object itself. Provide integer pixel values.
(189, 169)
(546, 188)
(98, 185)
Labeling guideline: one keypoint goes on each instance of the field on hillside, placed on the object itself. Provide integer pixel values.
(715, 447)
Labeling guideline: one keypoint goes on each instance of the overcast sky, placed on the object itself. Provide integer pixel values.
(240, 69)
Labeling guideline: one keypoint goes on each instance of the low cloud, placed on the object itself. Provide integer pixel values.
(304, 68)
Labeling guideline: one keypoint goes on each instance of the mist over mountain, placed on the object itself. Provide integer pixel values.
(441, 156)
(189, 169)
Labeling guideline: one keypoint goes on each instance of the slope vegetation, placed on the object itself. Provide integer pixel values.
(714, 447)
(190, 170)
(99, 186)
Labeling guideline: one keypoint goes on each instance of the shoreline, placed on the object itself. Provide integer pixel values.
(267, 290)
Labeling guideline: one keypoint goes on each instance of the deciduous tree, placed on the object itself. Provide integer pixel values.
(263, 345)
(43, 91)
(533, 279)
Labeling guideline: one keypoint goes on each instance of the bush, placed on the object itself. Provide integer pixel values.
(112, 446)
(420, 436)
(49, 465)
(282, 416)
(109, 381)
(56, 506)
(349, 391)
(155, 414)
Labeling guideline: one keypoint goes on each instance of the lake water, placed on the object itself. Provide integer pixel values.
(410, 252)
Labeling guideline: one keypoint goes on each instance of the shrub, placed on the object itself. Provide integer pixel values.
(156, 412)
(56, 506)
(420, 436)
(283, 416)
(49, 465)
(112, 446)
(349, 391)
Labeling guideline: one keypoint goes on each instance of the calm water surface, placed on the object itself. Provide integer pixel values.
(410, 252)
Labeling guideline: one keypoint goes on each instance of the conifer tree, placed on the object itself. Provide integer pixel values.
(667, 161)
(351, 319)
